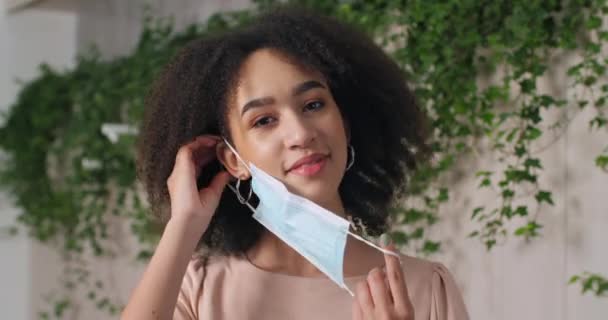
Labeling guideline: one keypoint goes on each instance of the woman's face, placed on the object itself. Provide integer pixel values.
(283, 119)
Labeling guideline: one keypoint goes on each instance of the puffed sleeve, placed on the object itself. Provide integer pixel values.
(446, 300)
(190, 291)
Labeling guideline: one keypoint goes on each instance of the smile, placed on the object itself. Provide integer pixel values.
(309, 166)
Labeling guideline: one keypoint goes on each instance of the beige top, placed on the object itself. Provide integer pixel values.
(230, 287)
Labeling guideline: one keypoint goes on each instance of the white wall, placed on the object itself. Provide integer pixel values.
(528, 281)
(115, 25)
(27, 38)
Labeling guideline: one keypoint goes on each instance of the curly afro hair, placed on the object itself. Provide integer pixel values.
(192, 95)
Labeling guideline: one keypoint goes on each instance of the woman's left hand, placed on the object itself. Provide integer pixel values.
(383, 296)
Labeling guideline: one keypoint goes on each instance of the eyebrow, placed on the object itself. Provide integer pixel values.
(298, 90)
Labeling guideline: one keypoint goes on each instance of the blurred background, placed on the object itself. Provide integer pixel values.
(514, 203)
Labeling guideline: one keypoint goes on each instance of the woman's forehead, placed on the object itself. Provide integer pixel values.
(268, 66)
(269, 73)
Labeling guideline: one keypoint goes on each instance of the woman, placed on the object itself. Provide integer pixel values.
(290, 97)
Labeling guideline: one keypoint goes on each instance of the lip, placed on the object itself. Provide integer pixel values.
(315, 158)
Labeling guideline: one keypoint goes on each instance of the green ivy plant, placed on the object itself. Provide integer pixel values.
(69, 136)
(593, 282)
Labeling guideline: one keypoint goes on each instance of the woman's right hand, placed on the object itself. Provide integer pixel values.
(191, 211)
(188, 204)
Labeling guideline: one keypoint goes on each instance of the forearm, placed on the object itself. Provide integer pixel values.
(156, 293)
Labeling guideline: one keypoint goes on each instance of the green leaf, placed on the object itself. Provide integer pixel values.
(413, 215)
(589, 81)
(533, 133)
(521, 211)
(527, 85)
(483, 173)
(485, 183)
(476, 211)
(60, 307)
(520, 150)
(431, 247)
(490, 244)
(520, 231)
(417, 234)
(574, 279)
(533, 163)
(529, 230)
(594, 22)
(598, 122)
(508, 193)
(399, 237)
(602, 161)
(544, 196)
(547, 101)
(443, 195)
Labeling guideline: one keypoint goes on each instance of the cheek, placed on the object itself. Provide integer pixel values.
(336, 128)
(336, 135)
(265, 154)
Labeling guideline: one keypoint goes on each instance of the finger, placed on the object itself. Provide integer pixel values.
(364, 299)
(202, 161)
(203, 152)
(208, 137)
(380, 294)
(203, 146)
(183, 156)
(213, 192)
(356, 309)
(188, 154)
(396, 280)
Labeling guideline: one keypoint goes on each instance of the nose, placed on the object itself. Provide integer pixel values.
(299, 132)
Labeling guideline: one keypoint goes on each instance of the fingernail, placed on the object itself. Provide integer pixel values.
(373, 272)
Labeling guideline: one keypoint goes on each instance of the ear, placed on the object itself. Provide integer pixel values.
(231, 162)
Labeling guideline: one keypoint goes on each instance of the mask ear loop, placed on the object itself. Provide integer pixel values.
(351, 161)
(244, 202)
(238, 184)
(371, 244)
(348, 290)
(236, 154)
(238, 193)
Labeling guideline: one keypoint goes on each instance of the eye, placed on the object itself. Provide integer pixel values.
(263, 121)
(314, 105)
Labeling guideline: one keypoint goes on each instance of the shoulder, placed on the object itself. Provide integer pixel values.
(204, 266)
(423, 269)
(424, 272)
(203, 271)
(432, 285)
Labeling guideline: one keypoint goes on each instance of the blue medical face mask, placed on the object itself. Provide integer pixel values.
(314, 232)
